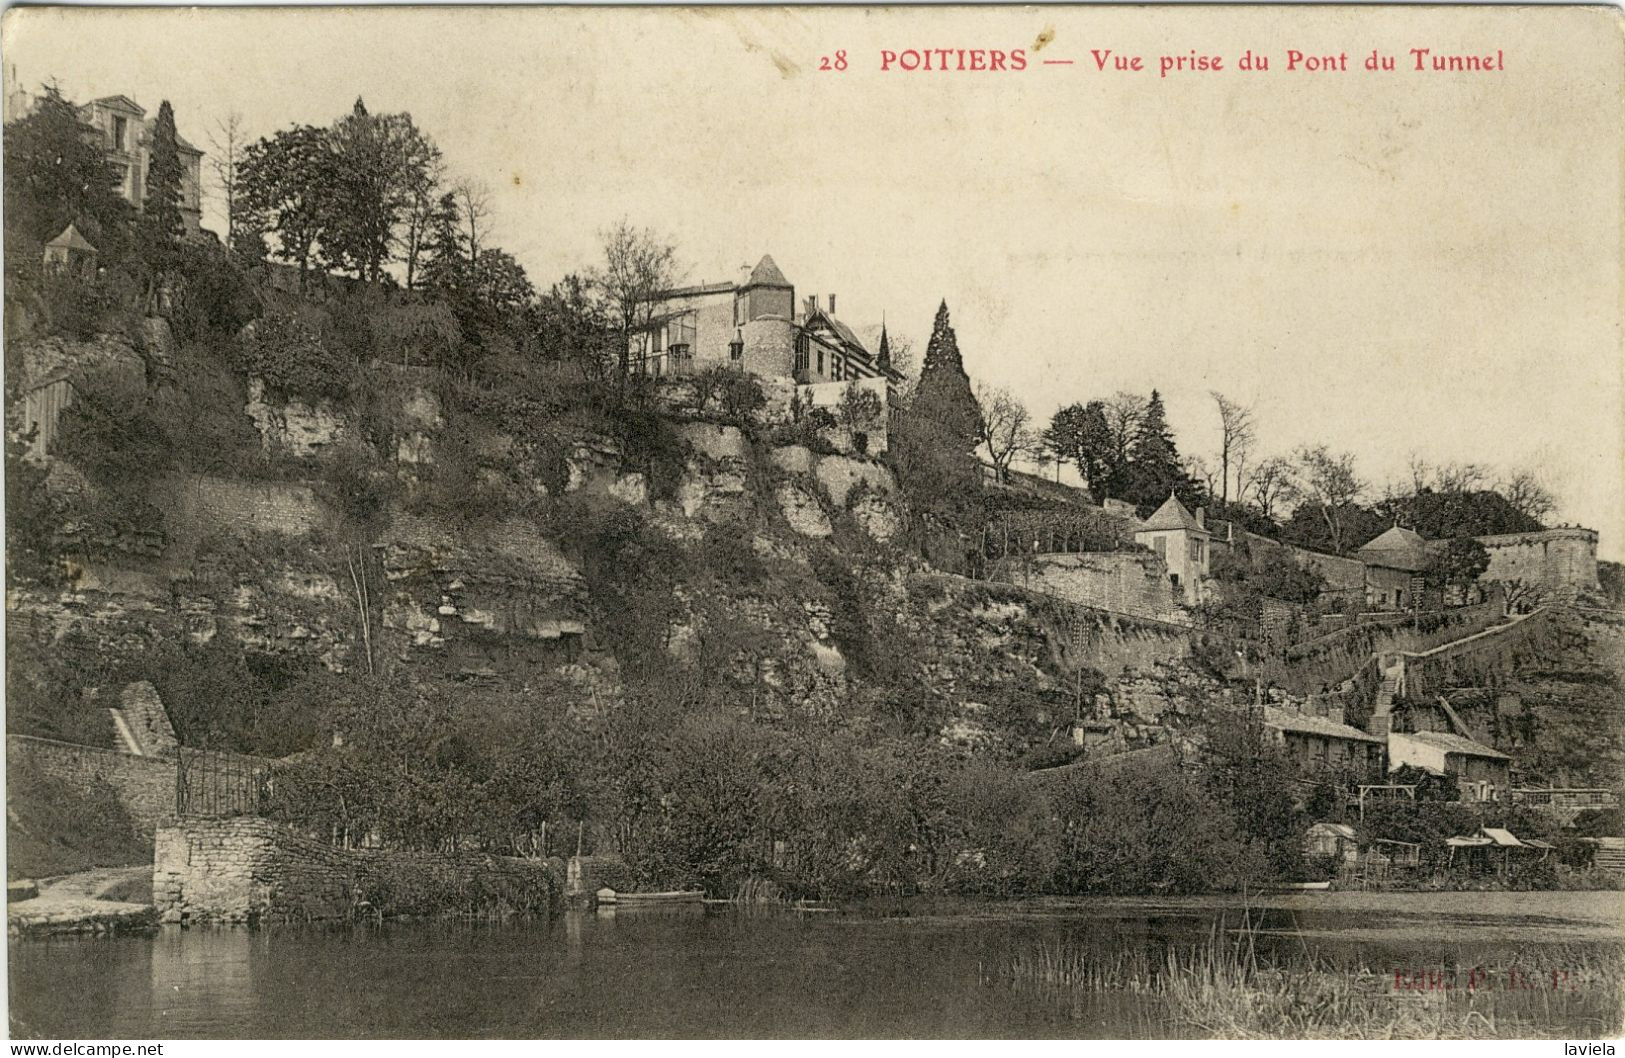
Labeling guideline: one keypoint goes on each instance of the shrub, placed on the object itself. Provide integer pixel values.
(809, 427)
(741, 399)
(288, 352)
(357, 488)
(84, 308)
(113, 433)
(215, 297)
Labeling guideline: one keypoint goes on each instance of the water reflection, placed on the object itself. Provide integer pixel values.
(684, 972)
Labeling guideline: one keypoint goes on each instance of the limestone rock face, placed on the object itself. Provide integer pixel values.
(42, 359)
(715, 441)
(297, 428)
(801, 510)
(839, 475)
(420, 421)
(877, 517)
(793, 459)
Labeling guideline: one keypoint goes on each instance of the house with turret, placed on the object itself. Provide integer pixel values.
(756, 326)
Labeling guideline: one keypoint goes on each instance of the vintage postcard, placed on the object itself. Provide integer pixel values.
(814, 522)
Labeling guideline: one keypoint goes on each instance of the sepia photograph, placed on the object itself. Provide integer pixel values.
(814, 522)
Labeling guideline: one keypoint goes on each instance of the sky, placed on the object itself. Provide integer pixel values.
(1392, 263)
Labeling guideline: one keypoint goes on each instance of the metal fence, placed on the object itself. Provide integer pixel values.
(214, 784)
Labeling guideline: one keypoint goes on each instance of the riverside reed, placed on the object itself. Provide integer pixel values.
(1225, 987)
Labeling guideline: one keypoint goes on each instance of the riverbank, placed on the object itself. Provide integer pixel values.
(692, 972)
(103, 900)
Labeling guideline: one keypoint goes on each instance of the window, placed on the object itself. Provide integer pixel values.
(1160, 546)
(820, 360)
(801, 354)
(739, 310)
(120, 129)
(835, 365)
(736, 349)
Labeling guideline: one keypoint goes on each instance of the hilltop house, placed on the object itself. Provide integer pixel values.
(1394, 565)
(754, 327)
(125, 133)
(1182, 540)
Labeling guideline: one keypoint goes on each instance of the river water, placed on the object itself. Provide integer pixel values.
(908, 969)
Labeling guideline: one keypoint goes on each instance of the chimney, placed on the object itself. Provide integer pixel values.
(1201, 517)
(832, 304)
(812, 304)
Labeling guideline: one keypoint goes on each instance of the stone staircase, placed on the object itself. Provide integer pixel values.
(1393, 677)
(1610, 854)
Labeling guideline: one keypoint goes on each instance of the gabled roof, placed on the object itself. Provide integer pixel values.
(1282, 720)
(1397, 548)
(72, 240)
(1452, 744)
(1395, 539)
(1342, 830)
(1172, 515)
(842, 331)
(120, 102)
(766, 274)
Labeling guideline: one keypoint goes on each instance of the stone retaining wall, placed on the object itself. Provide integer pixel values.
(258, 871)
(145, 785)
(1127, 582)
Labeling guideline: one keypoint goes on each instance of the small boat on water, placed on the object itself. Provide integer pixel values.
(1301, 887)
(610, 898)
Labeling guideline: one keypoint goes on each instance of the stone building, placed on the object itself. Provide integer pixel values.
(1481, 773)
(754, 327)
(124, 131)
(1182, 540)
(1394, 566)
(126, 136)
(1321, 744)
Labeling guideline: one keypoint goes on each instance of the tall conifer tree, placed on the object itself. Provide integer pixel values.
(162, 204)
(1154, 467)
(944, 393)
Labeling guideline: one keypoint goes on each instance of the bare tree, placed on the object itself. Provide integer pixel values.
(421, 211)
(904, 362)
(1516, 594)
(1269, 483)
(1123, 411)
(1006, 429)
(639, 267)
(1235, 440)
(1201, 470)
(474, 198)
(1526, 492)
(1421, 474)
(1460, 477)
(226, 142)
(1328, 479)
